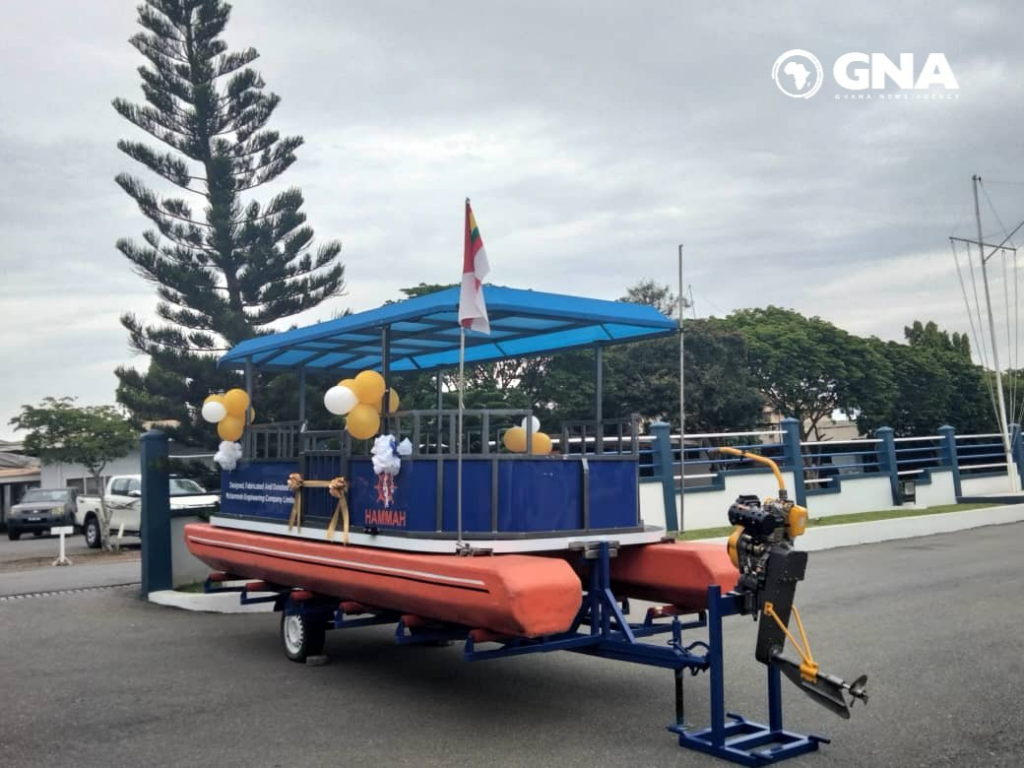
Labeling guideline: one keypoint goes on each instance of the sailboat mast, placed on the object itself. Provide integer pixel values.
(1001, 416)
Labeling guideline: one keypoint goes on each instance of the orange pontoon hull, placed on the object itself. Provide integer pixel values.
(511, 594)
(514, 595)
(676, 573)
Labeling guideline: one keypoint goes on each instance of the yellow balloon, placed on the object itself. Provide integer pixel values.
(236, 401)
(369, 388)
(347, 383)
(362, 422)
(252, 415)
(515, 440)
(541, 443)
(230, 428)
(393, 402)
(214, 399)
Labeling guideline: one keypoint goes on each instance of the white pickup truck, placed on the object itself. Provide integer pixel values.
(124, 502)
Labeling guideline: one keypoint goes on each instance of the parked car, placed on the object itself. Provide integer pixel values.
(123, 498)
(41, 509)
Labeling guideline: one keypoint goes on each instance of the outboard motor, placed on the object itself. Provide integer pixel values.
(762, 548)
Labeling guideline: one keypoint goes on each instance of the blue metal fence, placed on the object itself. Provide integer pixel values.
(980, 455)
(827, 462)
(820, 466)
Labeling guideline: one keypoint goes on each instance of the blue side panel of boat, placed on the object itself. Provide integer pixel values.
(413, 495)
(539, 495)
(614, 500)
(258, 490)
(533, 496)
(476, 496)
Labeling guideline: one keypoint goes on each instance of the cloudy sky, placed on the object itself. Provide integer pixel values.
(593, 137)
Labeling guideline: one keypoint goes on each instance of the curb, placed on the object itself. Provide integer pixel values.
(225, 602)
(876, 531)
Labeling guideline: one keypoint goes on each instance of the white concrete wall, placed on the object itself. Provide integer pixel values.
(857, 494)
(980, 486)
(938, 492)
(185, 569)
(652, 507)
(708, 509)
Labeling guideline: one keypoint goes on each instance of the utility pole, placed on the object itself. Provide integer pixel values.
(682, 394)
(1001, 416)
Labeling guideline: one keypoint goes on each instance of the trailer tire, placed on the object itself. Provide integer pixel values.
(93, 537)
(302, 635)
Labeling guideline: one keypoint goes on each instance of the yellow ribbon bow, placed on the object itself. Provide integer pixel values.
(336, 487)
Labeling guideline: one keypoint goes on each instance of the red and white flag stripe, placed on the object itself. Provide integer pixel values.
(472, 309)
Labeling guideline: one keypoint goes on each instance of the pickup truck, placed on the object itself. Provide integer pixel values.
(41, 509)
(124, 502)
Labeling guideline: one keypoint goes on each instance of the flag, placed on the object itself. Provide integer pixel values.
(472, 310)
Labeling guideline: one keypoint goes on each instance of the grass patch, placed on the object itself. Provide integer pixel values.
(859, 517)
(196, 586)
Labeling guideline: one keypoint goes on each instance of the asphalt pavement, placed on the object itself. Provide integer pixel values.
(103, 678)
(25, 565)
(30, 546)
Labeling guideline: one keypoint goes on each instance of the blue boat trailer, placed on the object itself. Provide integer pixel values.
(600, 629)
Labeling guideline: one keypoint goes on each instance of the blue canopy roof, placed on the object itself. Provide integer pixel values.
(424, 333)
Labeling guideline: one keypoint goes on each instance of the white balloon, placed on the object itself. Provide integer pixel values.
(340, 400)
(214, 411)
(536, 423)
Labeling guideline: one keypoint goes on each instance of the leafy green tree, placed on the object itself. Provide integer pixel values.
(923, 392)
(225, 267)
(930, 336)
(807, 368)
(58, 431)
(970, 407)
(652, 294)
(643, 377)
(721, 393)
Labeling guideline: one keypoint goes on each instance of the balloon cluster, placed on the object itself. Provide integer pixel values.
(227, 411)
(515, 438)
(359, 400)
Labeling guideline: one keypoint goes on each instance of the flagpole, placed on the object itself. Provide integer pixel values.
(458, 472)
(682, 400)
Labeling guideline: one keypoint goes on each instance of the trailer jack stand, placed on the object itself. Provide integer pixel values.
(739, 740)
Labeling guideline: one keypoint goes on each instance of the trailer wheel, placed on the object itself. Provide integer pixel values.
(302, 635)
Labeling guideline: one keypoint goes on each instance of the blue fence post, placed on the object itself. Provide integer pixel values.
(887, 461)
(1017, 450)
(949, 456)
(663, 464)
(156, 513)
(794, 459)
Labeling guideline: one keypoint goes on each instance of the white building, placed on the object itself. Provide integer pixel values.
(17, 474)
(76, 476)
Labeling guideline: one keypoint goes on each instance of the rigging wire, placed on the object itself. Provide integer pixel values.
(1009, 354)
(978, 345)
(983, 349)
(1013, 352)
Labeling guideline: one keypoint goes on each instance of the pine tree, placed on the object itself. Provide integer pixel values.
(224, 267)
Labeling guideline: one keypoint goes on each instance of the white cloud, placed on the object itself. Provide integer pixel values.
(592, 139)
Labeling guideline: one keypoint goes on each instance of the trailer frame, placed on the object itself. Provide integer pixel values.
(599, 629)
